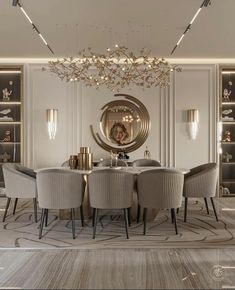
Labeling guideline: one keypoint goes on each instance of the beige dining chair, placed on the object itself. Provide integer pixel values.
(20, 182)
(110, 189)
(107, 162)
(201, 182)
(161, 189)
(60, 189)
(146, 162)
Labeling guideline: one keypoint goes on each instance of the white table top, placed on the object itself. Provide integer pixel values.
(134, 170)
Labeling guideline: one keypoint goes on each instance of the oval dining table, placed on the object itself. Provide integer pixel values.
(65, 214)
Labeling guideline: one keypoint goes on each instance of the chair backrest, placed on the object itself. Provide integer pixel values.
(20, 181)
(111, 189)
(65, 164)
(107, 162)
(60, 189)
(160, 188)
(146, 162)
(201, 181)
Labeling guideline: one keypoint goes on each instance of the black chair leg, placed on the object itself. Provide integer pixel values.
(73, 221)
(42, 222)
(185, 208)
(6, 209)
(178, 209)
(46, 217)
(82, 215)
(93, 218)
(174, 218)
(138, 214)
(129, 216)
(207, 208)
(126, 221)
(145, 220)
(213, 205)
(35, 210)
(95, 215)
(15, 205)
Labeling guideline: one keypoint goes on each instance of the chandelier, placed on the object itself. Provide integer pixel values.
(117, 69)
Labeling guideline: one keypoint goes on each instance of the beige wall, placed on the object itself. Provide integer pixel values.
(79, 107)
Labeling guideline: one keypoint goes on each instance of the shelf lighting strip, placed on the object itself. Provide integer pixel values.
(205, 3)
(35, 27)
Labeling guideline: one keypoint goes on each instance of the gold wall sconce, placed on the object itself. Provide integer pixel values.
(52, 119)
(193, 120)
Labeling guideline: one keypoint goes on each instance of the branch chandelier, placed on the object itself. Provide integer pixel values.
(117, 69)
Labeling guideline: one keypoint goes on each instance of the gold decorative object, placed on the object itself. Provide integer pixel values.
(73, 162)
(115, 70)
(7, 136)
(85, 159)
(5, 157)
(120, 137)
(227, 136)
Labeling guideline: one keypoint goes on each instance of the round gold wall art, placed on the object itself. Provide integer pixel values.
(124, 125)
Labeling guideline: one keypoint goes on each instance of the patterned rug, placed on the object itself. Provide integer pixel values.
(200, 231)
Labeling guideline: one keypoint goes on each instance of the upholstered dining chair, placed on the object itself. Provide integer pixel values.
(107, 162)
(146, 162)
(161, 189)
(201, 182)
(59, 189)
(110, 189)
(20, 182)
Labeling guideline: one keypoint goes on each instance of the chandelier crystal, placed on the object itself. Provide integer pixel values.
(117, 69)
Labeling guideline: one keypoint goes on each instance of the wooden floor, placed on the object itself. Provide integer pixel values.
(117, 269)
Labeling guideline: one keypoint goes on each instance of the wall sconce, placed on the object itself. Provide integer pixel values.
(192, 119)
(52, 118)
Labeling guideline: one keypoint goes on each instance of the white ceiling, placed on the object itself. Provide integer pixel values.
(71, 25)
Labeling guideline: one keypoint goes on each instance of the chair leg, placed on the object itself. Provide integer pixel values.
(213, 205)
(174, 218)
(35, 210)
(138, 214)
(46, 217)
(185, 208)
(93, 218)
(178, 209)
(95, 214)
(41, 223)
(6, 209)
(145, 220)
(82, 215)
(15, 205)
(126, 221)
(129, 216)
(207, 208)
(73, 222)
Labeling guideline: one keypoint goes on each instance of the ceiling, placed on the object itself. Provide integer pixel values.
(71, 25)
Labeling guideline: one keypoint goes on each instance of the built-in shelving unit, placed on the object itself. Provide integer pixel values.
(10, 116)
(227, 116)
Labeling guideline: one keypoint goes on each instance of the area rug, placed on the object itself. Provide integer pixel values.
(200, 231)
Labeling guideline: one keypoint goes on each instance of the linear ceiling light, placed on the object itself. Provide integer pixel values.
(205, 3)
(15, 3)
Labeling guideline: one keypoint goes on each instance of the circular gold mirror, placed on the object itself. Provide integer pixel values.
(124, 125)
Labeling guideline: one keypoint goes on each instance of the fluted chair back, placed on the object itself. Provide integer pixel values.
(201, 181)
(111, 189)
(60, 189)
(18, 181)
(160, 188)
(107, 162)
(146, 162)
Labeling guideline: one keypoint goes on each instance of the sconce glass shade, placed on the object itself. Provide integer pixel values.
(193, 119)
(52, 118)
